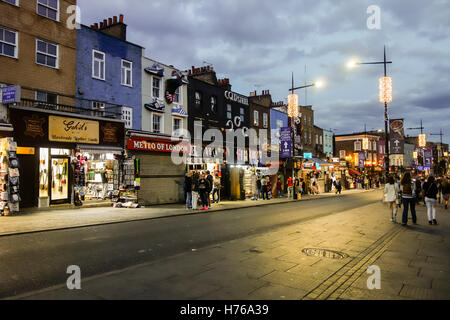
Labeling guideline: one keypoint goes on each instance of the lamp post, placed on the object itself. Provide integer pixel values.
(385, 97)
(293, 109)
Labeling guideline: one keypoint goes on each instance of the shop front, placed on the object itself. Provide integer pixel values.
(65, 158)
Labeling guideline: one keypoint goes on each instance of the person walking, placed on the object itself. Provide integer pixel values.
(303, 187)
(279, 188)
(264, 188)
(290, 184)
(203, 187)
(430, 189)
(195, 177)
(216, 189)
(338, 186)
(187, 186)
(408, 189)
(390, 194)
(446, 191)
(259, 186)
(210, 179)
(269, 190)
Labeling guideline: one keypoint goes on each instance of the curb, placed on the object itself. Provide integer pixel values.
(174, 215)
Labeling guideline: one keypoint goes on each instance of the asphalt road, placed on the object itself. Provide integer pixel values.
(39, 260)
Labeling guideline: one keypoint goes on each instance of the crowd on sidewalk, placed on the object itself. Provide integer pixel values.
(409, 191)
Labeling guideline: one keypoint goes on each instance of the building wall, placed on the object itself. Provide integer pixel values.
(147, 97)
(109, 90)
(24, 70)
(318, 142)
(307, 114)
(347, 143)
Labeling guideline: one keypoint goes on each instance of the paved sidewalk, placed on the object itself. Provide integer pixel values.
(414, 264)
(41, 220)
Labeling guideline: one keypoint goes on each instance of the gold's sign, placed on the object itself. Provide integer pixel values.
(73, 130)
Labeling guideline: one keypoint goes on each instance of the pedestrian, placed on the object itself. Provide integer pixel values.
(203, 187)
(390, 194)
(446, 191)
(269, 190)
(279, 188)
(187, 186)
(210, 184)
(259, 186)
(408, 189)
(418, 190)
(430, 189)
(264, 188)
(338, 186)
(195, 177)
(216, 188)
(304, 191)
(290, 187)
(297, 188)
(104, 176)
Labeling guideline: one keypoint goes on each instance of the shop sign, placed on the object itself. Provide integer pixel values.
(285, 142)
(336, 160)
(307, 155)
(158, 146)
(397, 140)
(10, 94)
(236, 97)
(109, 133)
(73, 130)
(25, 150)
(34, 126)
(308, 165)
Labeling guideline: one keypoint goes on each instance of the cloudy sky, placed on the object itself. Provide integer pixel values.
(258, 43)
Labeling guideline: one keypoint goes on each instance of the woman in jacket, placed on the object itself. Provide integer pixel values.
(446, 191)
(203, 187)
(408, 189)
(390, 195)
(430, 191)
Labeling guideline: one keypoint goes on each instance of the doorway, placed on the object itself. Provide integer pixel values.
(59, 179)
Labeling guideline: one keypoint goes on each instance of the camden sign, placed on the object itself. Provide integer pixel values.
(236, 97)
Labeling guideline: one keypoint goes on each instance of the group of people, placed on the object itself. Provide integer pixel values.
(264, 188)
(201, 185)
(366, 182)
(409, 192)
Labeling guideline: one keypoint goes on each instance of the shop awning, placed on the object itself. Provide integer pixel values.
(350, 171)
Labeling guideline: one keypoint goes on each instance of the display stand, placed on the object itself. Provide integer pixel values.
(9, 177)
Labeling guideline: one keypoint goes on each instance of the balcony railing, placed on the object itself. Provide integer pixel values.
(83, 107)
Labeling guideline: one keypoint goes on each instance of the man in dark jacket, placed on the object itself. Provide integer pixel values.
(188, 190)
(210, 179)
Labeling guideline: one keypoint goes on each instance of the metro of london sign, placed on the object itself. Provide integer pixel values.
(158, 146)
(236, 97)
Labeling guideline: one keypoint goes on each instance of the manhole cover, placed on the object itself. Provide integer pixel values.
(314, 252)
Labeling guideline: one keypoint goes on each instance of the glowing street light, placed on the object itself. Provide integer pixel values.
(385, 89)
(422, 140)
(292, 105)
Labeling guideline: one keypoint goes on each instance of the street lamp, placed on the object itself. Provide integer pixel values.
(385, 97)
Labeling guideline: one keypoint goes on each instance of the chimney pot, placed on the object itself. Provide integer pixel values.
(115, 20)
(121, 18)
(96, 26)
(105, 23)
(110, 21)
(101, 25)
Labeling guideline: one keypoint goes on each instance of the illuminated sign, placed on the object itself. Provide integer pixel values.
(307, 155)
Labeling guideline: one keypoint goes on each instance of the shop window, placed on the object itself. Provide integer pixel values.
(43, 172)
(256, 118)
(8, 42)
(156, 87)
(46, 53)
(127, 74)
(156, 123)
(98, 65)
(127, 115)
(48, 9)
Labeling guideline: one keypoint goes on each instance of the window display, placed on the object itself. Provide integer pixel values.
(9, 177)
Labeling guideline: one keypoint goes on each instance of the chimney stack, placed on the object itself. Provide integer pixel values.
(113, 27)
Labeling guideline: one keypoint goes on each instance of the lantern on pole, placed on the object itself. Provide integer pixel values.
(292, 105)
(385, 86)
(422, 140)
(365, 143)
(415, 154)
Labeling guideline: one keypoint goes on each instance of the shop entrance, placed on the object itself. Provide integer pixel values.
(59, 184)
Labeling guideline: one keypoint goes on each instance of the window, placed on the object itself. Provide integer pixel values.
(127, 115)
(156, 87)
(8, 43)
(279, 124)
(177, 96)
(228, 111)
(156, 123)
(213, 104)
(317, 139)
(342, 154)
(177, 124)
(99, 108)
(256, 118)
(46, 54)
(310, 138)
(357, 145)
(48, 9)
(98, 65)
(127, 74)
(242, 114)
(265, 120)
(13, 2)
(374, 148)
(320, 140)
(198, 99)
(47, 97)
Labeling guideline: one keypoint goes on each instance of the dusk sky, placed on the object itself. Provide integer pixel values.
(258, 43)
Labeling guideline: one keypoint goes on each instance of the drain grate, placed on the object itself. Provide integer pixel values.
(325, 253)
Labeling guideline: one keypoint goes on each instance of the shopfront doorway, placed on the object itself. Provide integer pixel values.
(59, 176)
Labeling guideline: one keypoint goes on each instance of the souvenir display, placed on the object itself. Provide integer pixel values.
(9, 177)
